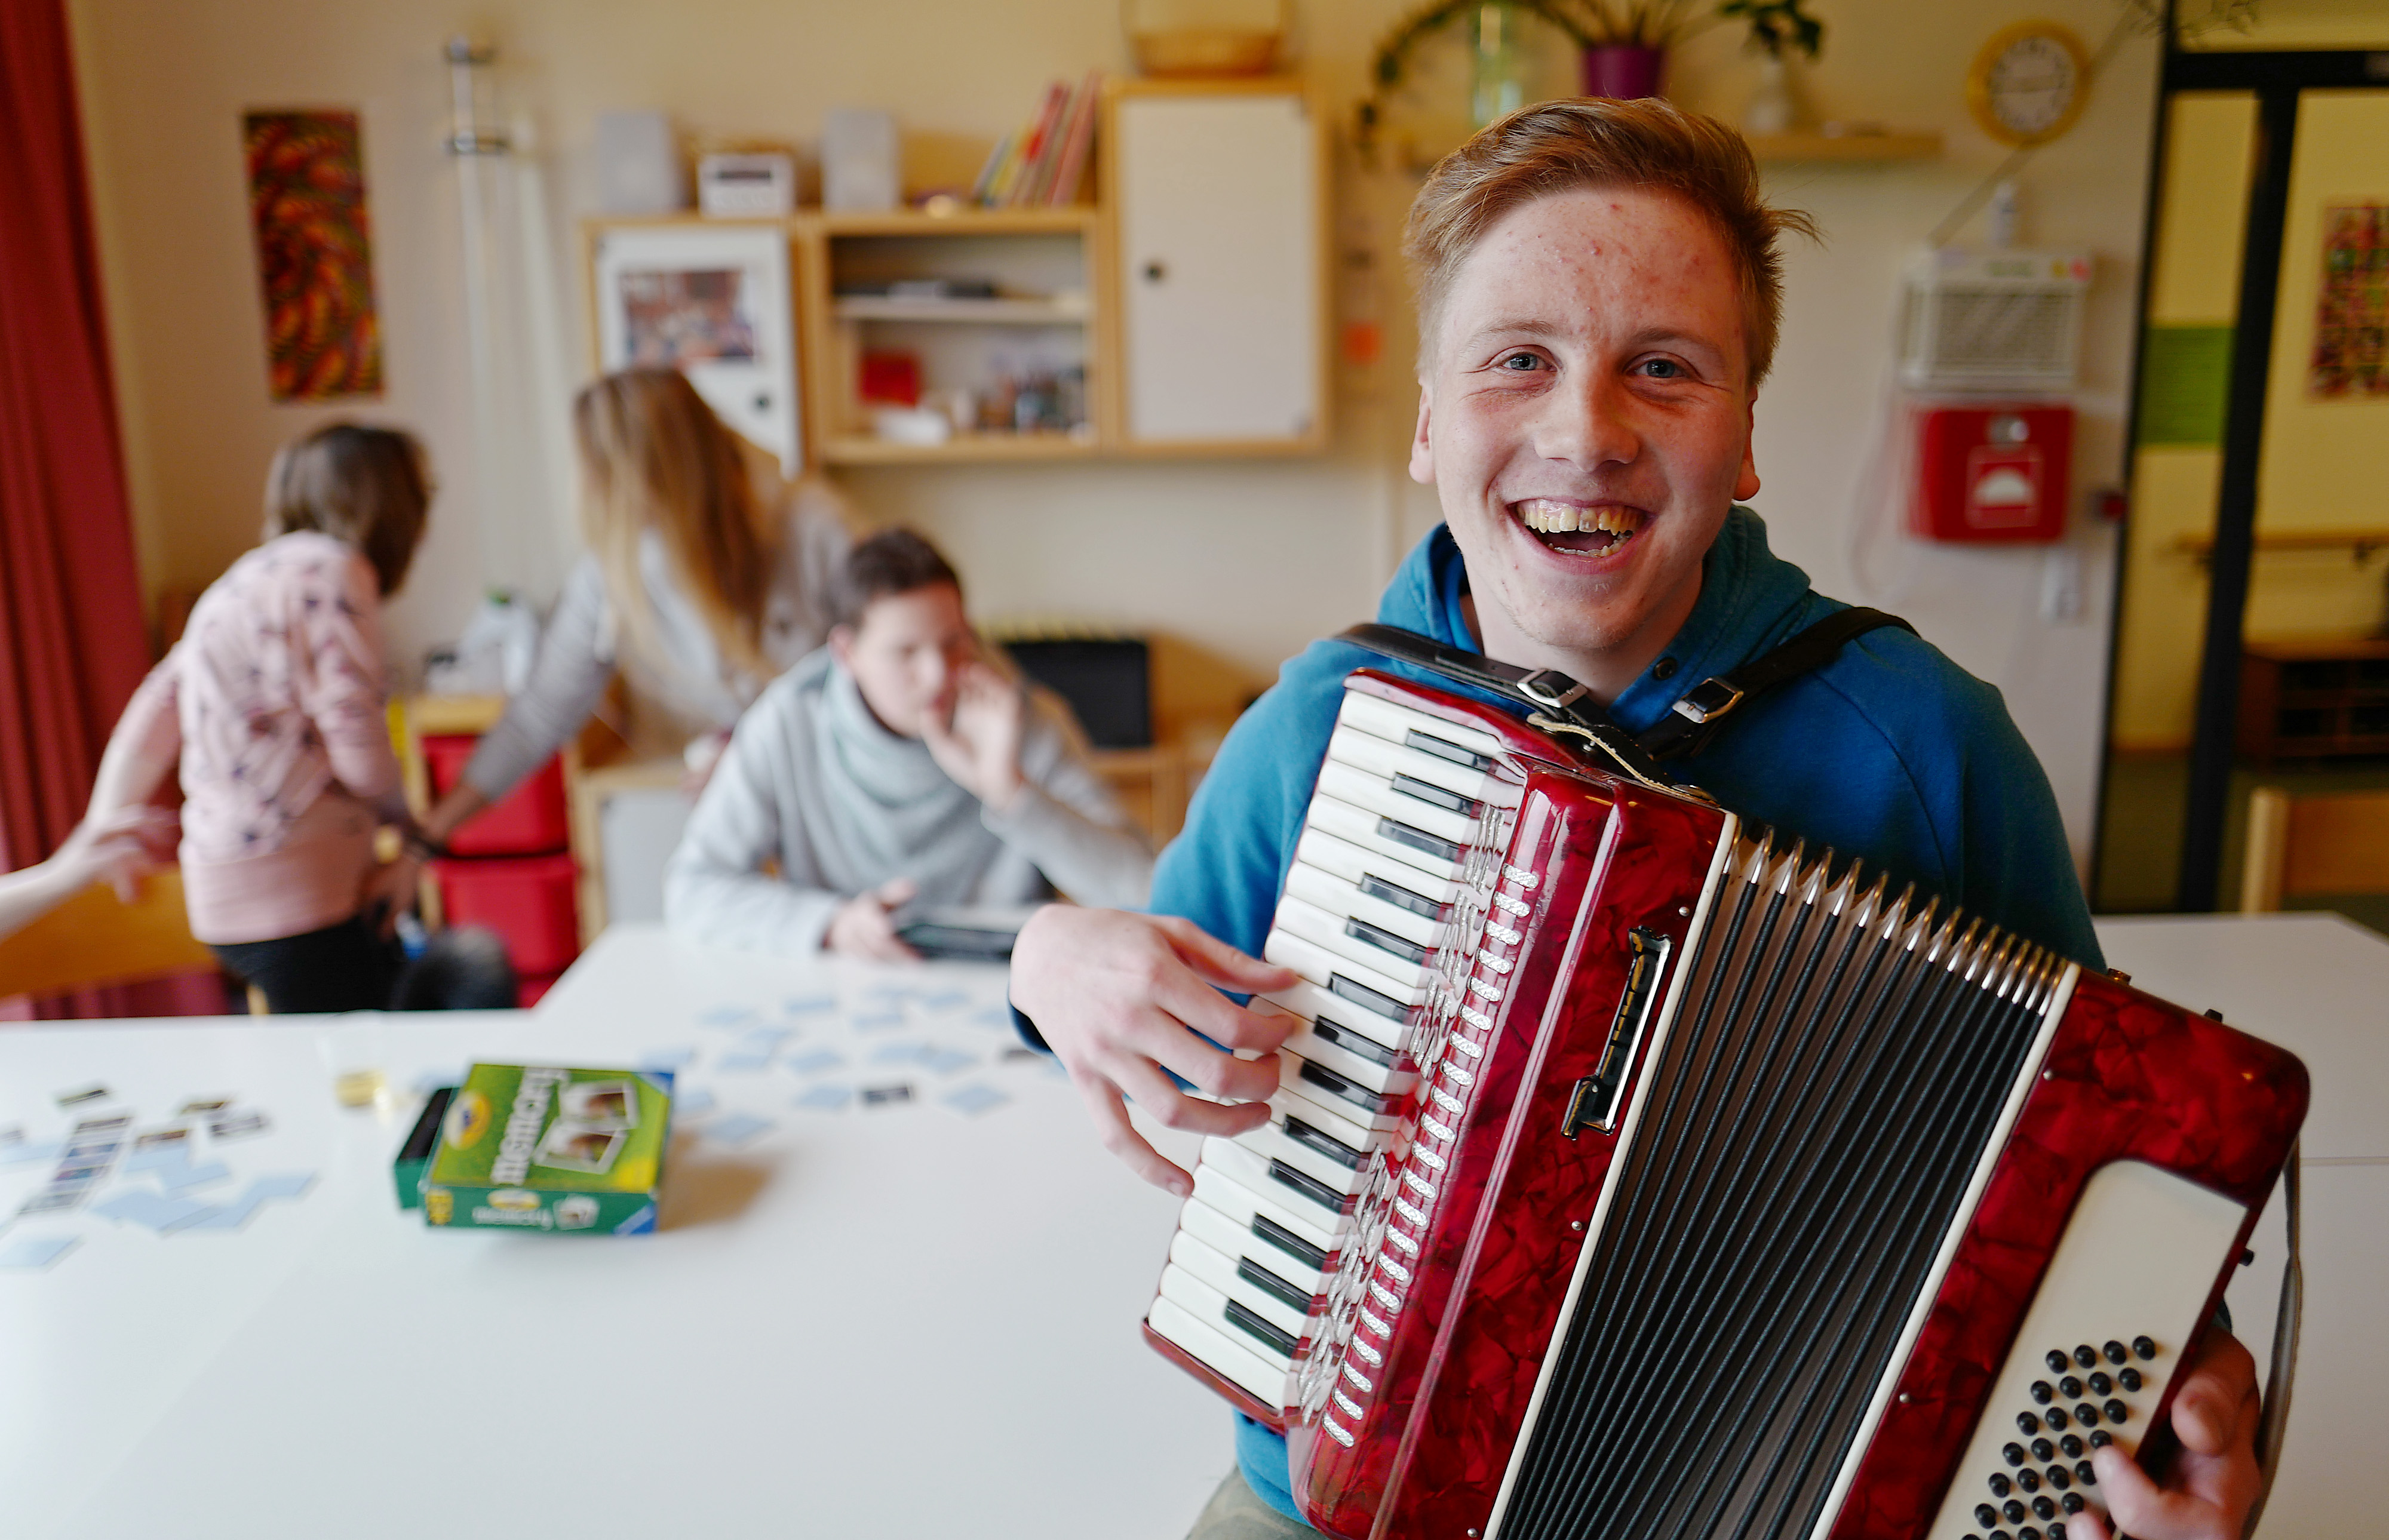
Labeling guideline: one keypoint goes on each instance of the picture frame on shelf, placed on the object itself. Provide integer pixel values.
(715, 301)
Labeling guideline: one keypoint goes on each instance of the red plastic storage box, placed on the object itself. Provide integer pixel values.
(529, 900)
(529, 820)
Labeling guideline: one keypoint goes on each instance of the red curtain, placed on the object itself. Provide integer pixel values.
(72, 644)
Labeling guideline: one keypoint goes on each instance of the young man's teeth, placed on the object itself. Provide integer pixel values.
(1546, 517)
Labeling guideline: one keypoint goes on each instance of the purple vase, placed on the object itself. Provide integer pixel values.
(1622, 73)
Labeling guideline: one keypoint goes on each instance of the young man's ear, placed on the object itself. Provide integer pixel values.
(841, 646)
(1745, 486)
(1422, 443)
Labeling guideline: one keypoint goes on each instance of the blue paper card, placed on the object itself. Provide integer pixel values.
(668, 1059)
(899, 1054)
(976, 1098)
(743, 1062)
(737, 1128)
(177, 1178)
(726, 1015)
(692, 1102)
(232, 1216)
(804, 1004)
(140, 1206)
(944, 1060)
(824, 1098)
(36, 1250)
(814, 1061)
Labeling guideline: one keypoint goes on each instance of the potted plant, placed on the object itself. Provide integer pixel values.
(1626, 42)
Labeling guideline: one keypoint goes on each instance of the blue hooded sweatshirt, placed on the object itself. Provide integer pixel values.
(1890, 753)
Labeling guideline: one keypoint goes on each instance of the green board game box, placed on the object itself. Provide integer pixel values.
(537, 1147)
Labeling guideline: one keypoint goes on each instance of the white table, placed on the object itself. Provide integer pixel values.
(2318, 985)
(905, 1321)
(886, 1324)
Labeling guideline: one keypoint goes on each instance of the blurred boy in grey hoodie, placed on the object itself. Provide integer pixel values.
(895, 764)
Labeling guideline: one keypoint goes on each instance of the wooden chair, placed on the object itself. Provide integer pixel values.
(2330, 842)
(93, 938)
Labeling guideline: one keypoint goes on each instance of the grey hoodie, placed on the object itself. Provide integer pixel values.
(813, 784)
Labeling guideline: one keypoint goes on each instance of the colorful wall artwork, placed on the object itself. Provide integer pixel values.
(314, 259)
(2351, 347)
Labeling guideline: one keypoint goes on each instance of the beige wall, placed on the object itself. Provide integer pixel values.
(2325, 461)
(1242, 561)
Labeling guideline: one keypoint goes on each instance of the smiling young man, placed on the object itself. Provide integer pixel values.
(1598, 291)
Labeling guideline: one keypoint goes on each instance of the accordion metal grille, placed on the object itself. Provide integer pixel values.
(1837, 1066)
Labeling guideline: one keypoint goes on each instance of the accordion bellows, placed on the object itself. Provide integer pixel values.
(1637, 1173)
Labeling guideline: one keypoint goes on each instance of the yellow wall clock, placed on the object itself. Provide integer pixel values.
(2029, 83)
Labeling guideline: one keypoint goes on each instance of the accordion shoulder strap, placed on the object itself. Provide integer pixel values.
(1563, 707)
(1693, 721)
(1566, 707)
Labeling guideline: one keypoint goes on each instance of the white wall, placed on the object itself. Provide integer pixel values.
(1244, 560)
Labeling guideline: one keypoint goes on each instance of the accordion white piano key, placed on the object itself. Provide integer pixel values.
(1421, 894)
(1314, 1005)
(1395, 723)
(1375, 794)
(1396, 957)
(1330, 1122)
(1209, 1304)
(1269, 1383)
(1430, 774)
(1311, 941)
(1307, 1223)
(1220, 1272)
(1323, 1089)
(1270, 1142)
(1328, 1053)
(1337, 897)
(1432, 854)
(1247, 1244)
(1287, 1183)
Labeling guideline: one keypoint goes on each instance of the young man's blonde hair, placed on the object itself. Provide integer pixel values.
(655, 458)
(365, 486)
(1594, 141)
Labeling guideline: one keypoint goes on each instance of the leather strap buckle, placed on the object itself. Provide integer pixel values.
(1544, 687)
(1709, 700)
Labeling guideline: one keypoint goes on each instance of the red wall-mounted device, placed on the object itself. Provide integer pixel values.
(1994, 473)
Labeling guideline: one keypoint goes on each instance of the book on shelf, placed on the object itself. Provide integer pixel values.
(982, 190)
(1041, 163)
(1062, 188)
(1034, 157)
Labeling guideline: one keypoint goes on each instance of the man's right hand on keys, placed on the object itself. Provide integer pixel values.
(1120, 999)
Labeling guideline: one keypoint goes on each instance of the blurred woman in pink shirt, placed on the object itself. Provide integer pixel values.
(274, 704)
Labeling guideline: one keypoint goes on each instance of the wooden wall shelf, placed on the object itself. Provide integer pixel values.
(1184, 314)
(1057, 311)
(863, 450)
(1066, 219)
(1844, 146)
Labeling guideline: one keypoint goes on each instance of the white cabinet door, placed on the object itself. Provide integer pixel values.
(1219, 247)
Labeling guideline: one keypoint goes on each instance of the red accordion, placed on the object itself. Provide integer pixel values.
(1635, 1172)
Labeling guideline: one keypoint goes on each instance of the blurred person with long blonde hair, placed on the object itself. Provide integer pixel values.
(707, 574)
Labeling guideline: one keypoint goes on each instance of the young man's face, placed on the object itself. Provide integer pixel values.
(905, 654)
(1585, 418)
